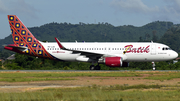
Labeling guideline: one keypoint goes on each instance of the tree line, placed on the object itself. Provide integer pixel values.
(25, 62)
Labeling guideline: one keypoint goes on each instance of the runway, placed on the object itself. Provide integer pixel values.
(86, 70)
(138, 77)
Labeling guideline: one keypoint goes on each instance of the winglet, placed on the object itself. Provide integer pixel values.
(60, 45)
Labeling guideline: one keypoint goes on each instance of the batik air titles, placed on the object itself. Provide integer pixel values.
(113, 54)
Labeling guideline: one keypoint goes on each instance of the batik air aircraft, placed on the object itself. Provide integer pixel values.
(113, 54)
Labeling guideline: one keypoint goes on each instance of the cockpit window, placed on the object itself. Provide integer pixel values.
(166, 48)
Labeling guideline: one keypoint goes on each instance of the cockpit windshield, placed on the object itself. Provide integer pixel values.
(166, 48)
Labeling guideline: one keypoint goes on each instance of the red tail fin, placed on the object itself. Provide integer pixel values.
(20, 33)
(23, 37)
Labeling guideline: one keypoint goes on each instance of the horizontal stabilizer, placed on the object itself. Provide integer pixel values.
(12, 46)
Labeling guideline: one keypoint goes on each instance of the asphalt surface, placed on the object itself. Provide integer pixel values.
(82, 70)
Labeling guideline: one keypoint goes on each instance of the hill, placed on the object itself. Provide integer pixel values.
(101, 32)
(95, 32)
(98, 32)
(172, 38)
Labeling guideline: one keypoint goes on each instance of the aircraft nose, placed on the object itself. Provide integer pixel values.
(174, 54)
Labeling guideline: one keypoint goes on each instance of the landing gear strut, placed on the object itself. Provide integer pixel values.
(97, 67)
(153, 65)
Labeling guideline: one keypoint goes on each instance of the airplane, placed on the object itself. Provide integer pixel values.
(112, 54)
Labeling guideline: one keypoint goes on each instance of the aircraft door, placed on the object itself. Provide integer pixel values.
(153, 49)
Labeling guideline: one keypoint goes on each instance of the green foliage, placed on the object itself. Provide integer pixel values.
(171, 38)
(97, 93)
(141, 65)
(13, 66)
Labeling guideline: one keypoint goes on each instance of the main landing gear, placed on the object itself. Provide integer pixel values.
(97, 67)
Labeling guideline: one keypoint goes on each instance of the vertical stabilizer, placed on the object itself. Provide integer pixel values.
(22, 37)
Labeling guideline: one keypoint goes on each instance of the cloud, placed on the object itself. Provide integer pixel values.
(167, 10)
(173, 7)
(133, 6)
(170, 11)
(3, 8)
(21, 7)
(17, 7)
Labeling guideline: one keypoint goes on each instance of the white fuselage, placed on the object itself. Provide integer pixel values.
(135, 51)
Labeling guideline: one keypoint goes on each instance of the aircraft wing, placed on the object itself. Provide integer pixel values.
(91, 55)
(88, 54)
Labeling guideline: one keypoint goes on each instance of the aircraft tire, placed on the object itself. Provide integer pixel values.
(97, 67)
(92, 67)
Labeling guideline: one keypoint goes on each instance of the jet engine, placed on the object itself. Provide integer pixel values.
(113, 61)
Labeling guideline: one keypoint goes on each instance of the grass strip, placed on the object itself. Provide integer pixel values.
(94, 93)
(166, 76)
(68, 74)
(32, 79)
(41, 76)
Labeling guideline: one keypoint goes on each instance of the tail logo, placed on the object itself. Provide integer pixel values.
(23, 37)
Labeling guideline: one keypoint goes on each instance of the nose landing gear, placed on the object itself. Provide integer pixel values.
(153, 65)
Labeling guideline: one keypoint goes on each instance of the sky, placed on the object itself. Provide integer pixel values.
(35, 13)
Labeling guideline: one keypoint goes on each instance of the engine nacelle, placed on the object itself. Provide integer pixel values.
(113, 61)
